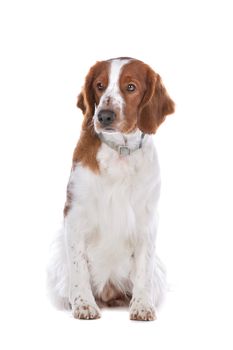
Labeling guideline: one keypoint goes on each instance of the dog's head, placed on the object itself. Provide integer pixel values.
(122, 95)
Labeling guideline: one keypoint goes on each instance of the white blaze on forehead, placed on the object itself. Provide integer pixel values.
(113, 89)
(115, 70)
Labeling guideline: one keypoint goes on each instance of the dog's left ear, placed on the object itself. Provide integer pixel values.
(155, 105)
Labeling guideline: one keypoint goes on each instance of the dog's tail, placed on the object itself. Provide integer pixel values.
(160, 282)
(57, 273)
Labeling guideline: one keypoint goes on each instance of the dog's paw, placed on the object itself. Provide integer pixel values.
(85, 310)
(141, 311)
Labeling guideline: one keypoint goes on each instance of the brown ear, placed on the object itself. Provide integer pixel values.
(155, 106)
(86, 100)
(80, 103)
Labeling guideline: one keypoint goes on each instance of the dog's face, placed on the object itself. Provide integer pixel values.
(122, 95)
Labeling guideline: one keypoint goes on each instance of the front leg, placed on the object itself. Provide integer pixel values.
(141, 305)
(80, 294)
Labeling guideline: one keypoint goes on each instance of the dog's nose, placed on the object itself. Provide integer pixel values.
(106, 117)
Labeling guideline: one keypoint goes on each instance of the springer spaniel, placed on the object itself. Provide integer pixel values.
(105, 254)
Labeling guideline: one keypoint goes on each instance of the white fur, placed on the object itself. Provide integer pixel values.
(110, 231)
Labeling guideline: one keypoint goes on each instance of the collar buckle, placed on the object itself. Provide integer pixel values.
(124, 151)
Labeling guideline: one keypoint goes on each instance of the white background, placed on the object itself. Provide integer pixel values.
(47, 48)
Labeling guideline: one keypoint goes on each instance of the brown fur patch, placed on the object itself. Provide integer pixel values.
(89, 143)
(132, 73)
(68, 201)
(156, 104)
(86, 150)
(147, 107)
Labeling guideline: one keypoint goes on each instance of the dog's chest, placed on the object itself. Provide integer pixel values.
(115, 202)
(114, 207)
(120, 193)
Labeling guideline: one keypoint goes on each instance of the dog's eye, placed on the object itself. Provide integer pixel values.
(100, 86)
(131, 87)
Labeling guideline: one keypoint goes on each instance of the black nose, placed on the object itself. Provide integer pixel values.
(106, 117)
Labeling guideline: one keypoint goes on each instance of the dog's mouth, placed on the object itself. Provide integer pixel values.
(106, 130)
(109, 130)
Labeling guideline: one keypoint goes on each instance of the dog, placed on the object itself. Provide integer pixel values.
(105, 253)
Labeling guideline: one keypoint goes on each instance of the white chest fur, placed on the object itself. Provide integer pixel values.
(111, 209)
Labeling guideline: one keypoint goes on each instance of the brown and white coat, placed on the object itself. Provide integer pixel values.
(105, 254)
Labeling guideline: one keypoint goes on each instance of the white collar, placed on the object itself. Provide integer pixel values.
(122, 150)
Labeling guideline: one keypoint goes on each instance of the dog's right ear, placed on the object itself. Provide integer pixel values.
(86, 102)
(86, 99)
(81, 103)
